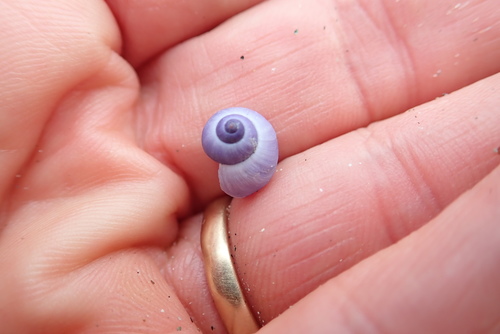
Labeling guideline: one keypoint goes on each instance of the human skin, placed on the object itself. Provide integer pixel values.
(383, 215)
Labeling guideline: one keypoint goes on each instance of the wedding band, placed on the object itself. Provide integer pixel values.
(221, 275)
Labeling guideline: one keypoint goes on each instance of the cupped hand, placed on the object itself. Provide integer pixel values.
(383, 213)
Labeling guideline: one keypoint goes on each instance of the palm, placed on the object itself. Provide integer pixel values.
(105, 176)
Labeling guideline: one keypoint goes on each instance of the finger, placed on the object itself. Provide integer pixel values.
(338, 203)
(441, 279)
(348, 64)
(184, 271)
(84, 140)
(75, 224)
(35, 71)
(149, 27)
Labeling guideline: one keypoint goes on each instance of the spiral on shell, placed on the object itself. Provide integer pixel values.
(244, 144)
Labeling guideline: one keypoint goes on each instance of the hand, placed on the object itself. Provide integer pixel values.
(383, 214)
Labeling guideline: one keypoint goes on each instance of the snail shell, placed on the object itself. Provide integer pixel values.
(244, 143)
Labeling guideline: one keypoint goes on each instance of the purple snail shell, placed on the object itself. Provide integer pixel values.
(244, 144)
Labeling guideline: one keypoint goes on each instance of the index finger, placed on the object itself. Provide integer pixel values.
(317, 72)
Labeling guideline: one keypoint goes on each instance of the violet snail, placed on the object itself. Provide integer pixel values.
(244, 144)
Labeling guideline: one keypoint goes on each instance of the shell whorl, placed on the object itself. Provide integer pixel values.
(245, 145)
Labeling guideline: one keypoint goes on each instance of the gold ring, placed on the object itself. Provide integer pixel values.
(221, 275)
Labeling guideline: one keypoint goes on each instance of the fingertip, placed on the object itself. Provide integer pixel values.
(149, 27)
